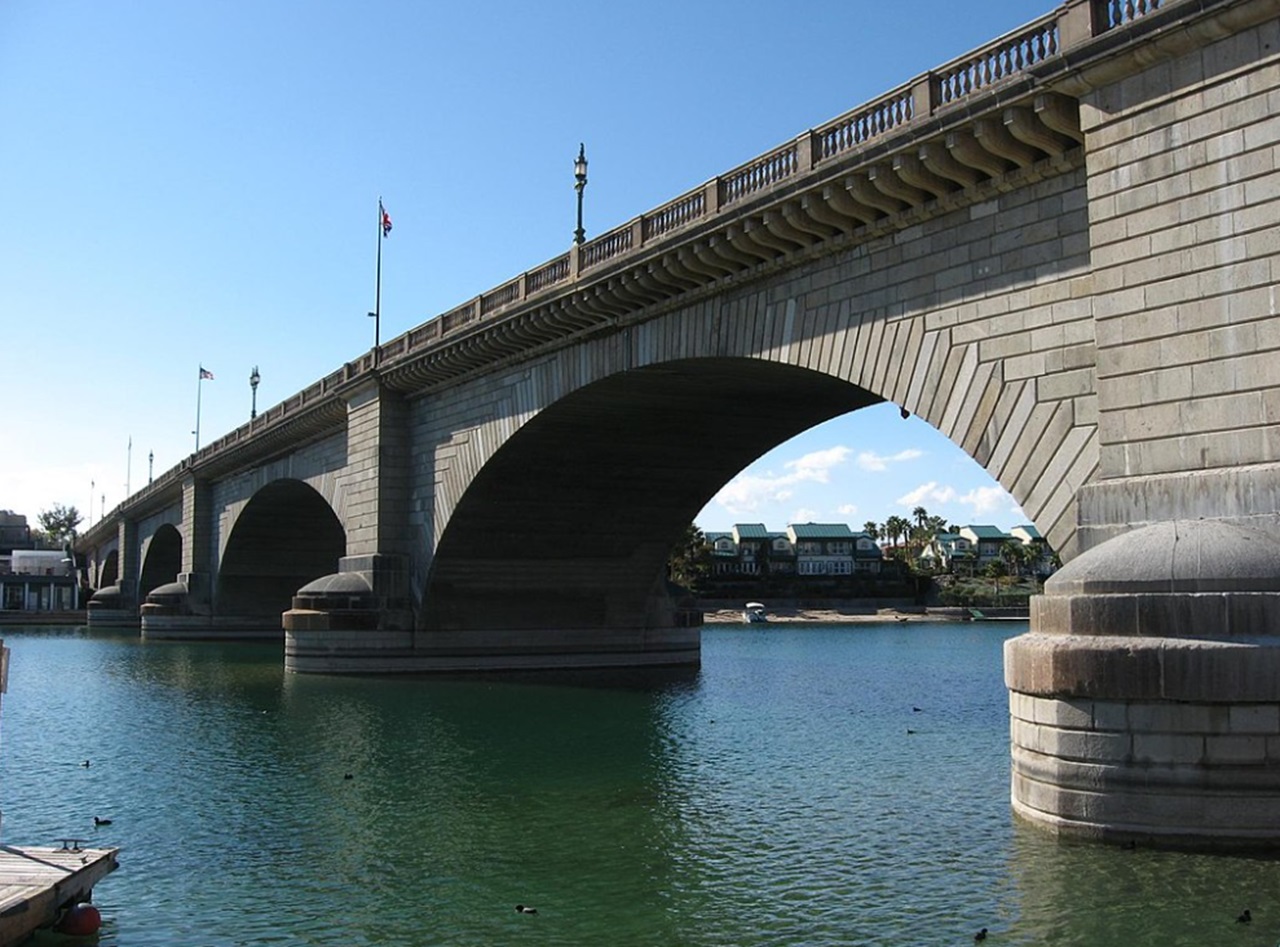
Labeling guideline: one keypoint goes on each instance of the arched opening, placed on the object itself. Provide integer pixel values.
(286, 536)
(162, 561)
(570, 523)
(109, 570)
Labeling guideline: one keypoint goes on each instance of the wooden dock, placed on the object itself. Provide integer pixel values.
(36, 883)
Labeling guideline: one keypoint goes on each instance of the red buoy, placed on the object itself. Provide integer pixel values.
(79, 920)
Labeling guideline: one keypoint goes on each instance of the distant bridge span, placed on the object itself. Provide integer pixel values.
(1059, 250)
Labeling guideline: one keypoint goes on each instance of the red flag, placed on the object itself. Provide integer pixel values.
(205, 373)
(386, 219)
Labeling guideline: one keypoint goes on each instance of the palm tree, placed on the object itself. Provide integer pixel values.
(871, 529)
(1015, 556)
(689, 561)
(896, 527)
(921, 516)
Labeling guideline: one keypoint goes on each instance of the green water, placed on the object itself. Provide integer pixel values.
(774, 797)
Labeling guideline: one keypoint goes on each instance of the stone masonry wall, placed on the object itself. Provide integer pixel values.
(1184, 202)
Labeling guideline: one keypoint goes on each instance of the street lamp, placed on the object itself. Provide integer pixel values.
(253, 385)
(580, 175)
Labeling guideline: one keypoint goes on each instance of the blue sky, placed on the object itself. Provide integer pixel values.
(196, 183)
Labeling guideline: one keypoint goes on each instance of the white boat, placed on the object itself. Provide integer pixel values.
(754, 612)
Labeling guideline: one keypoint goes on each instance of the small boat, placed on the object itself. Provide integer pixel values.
(754, 612)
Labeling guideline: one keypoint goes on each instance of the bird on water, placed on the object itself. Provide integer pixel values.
(97, 821)
(1244, 918)
(525, 909)
(981, 935)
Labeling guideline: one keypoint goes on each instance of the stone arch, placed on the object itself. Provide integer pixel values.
(284, 537)
(568, 524)
(161, 559)
(109, 569)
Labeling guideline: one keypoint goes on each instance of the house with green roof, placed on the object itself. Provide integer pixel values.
(833, 549)
(986, 542)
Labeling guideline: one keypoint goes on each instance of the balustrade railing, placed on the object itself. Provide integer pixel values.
(457, 318)
(547, 275)
(870, 121)
(675, 214)
(997, 61)
(1109, 14)
(607, 247)
(497, 298)
(759, 174)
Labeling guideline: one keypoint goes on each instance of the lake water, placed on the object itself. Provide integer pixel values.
(774, 797)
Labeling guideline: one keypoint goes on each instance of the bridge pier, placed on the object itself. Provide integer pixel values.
(111, 607)
(181, 611)
(1145, 700)
(360, 622)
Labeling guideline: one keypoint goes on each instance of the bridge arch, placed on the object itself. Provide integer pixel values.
(569, 523)
(161, 559)
(285, 536)
(109, 569)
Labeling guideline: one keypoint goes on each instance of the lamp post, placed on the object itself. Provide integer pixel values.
(254, 378)
(580, 176)
(151, 460)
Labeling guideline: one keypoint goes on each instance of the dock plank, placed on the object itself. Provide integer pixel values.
(37, 882)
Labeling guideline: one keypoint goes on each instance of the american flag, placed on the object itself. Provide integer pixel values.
(205, 373)
(386, 220)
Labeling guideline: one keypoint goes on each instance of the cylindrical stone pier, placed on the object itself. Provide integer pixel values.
(109, 607)
(1145, 700)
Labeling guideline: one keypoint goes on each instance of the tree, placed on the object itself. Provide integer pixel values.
(690, 559)
(871, 529)
(1017, 557)
(896, 528)
(921, 515)
(60, 523)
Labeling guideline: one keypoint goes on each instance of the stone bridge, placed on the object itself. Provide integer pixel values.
(1060, 250)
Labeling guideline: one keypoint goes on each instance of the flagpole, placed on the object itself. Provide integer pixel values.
(128, 468)
(199, 388)
(377, 292)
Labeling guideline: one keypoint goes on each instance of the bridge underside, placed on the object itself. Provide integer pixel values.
(570, 524)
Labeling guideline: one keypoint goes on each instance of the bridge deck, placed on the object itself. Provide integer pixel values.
(35, 882)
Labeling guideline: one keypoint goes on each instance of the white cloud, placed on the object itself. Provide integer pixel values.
(927, 491)
(985, 500)
(847, 509)
(982, 502)
(869, 460)
(747, 492)
(803, 515)
(817, 465)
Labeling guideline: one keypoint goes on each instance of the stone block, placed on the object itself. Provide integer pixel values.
(1062, 714)
(1170, 718)
(1255, 718)
(1229, 749)
(1110, 715)
(1168, 748)
(1089, 746)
